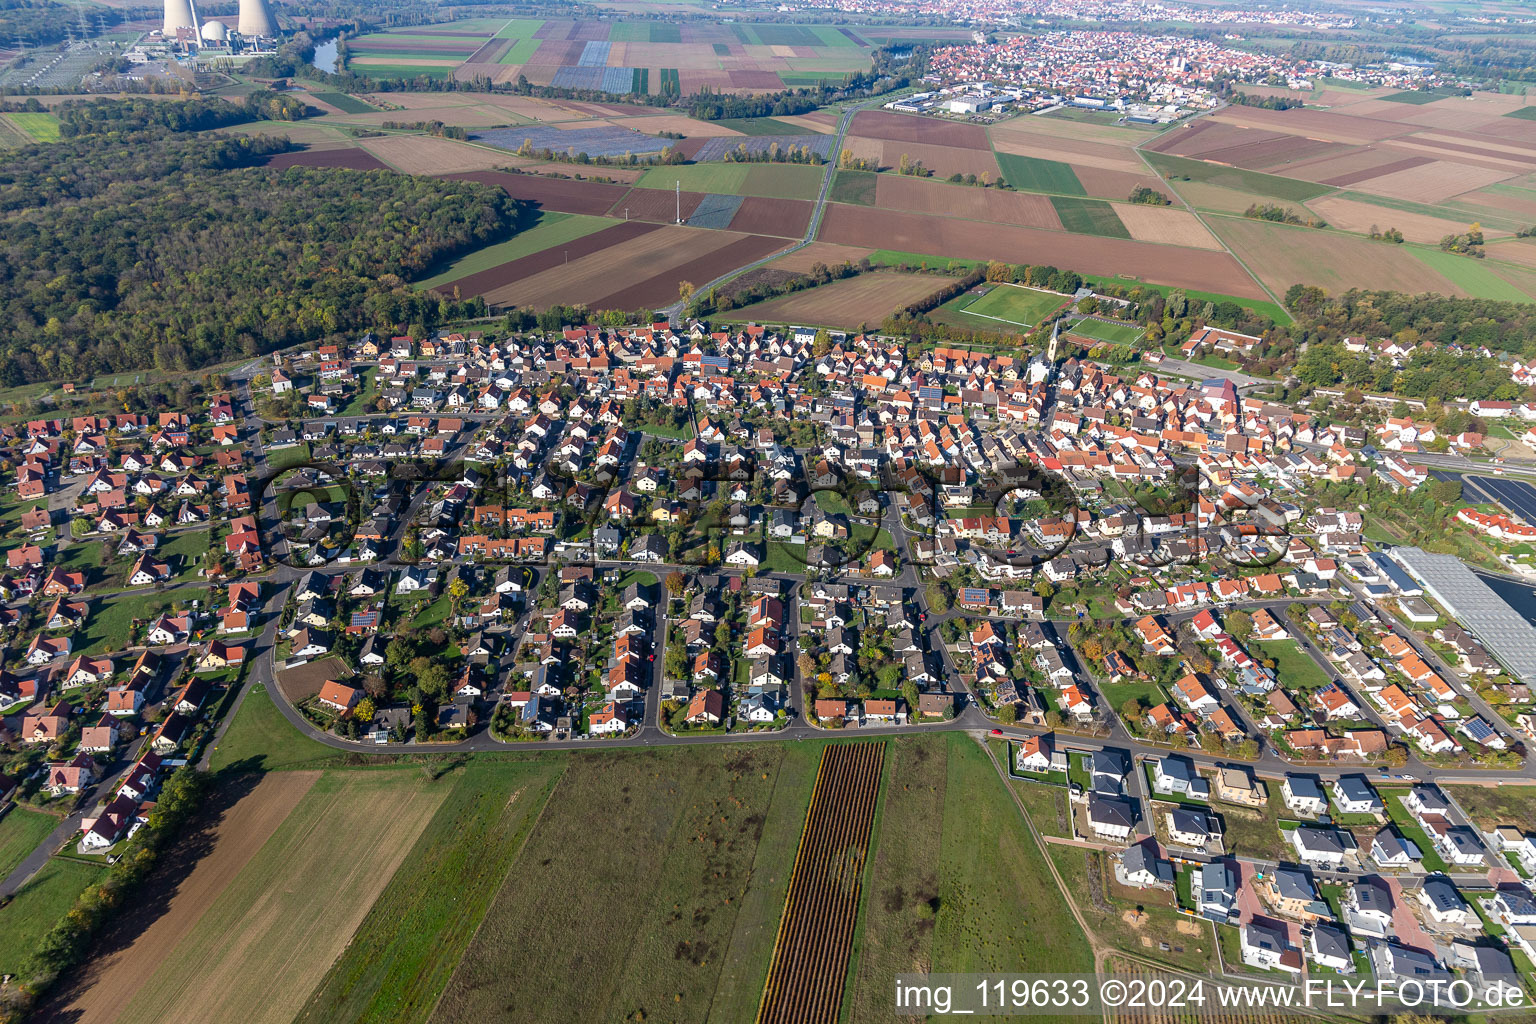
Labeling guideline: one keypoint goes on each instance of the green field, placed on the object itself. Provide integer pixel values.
(646, 32)
(1023, 307)
(1294, 665)
(1235, 177)
(404, 951)
(780, 181)
(1033, 174)
(1272, 310)
(20, 831)
(854, 187)
(784, 181)
(41, 127)
(1115, 334)
(1524, 113)
(38, 905)
(895, 258)
(549, 228)
(1414, 96)
(261, 739)
(108, 626)
(1470, 274)
(759, 126)
(346, 104)
(400, 71)
(1089, 217)
(1491, 807)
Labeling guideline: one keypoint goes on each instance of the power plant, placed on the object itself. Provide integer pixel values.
(178, 16)
(255, 21)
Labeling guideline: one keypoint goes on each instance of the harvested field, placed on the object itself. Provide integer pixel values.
(305, 681)
(894, 127)
(351, 159)
(1366, 160)
(294, 906)
(1346, 178)
(493, 279)
(1018, 137)
(1291, 189)
(656, 205)
(1515, 250)
(802, 260)
(1318, 124)
(566, 196)
(1352, 215)
(787, 218)
(1104, 184)
(918, 195)
(678, 941)
(864, 299)
(617, 267)
(810, 958)
(941, 160)
(661, 287)
(545, 230)
(1432, 182)
(1282, 256)
(1166, 225)
(241, 820)
(911, 232)
(428, 154)
(1203, 196)
(403, 953)
(808, 122)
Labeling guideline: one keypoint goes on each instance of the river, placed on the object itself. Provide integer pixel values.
(325, 56)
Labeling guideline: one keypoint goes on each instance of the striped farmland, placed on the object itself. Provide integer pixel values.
(810, 956)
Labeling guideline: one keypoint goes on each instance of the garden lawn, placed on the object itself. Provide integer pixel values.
(110, 621)
(261, 739)
(1293, 664)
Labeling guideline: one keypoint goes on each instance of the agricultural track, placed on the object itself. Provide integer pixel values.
(810, 957)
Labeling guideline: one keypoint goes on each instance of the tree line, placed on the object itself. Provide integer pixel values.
(161, 248)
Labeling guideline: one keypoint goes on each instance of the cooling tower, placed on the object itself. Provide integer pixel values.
(178, 15)
(255, 19)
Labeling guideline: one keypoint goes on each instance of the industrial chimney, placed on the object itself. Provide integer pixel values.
(255, 19)
(178, 15)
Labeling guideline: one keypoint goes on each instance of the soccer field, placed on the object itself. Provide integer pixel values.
(1115, 334)
(1025, 307)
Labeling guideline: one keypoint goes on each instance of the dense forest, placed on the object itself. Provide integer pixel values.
(1445, 320)
(43, 22)
(164, 249)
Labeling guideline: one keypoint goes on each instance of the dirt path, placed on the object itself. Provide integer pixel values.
(226, 844)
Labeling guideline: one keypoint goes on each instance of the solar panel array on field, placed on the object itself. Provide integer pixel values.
(715, 211)
(717, 148)
(615, 80)
(607, 141)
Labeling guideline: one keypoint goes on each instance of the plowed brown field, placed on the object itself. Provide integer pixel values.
(918, 195)
(230, 835)
(912, 232)
(810, 958)
(661, 288)
(882, 124)
(488, 282)
(655, 205)
(787, 218)
(865, 299)
(351, 159)
(566, 196)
